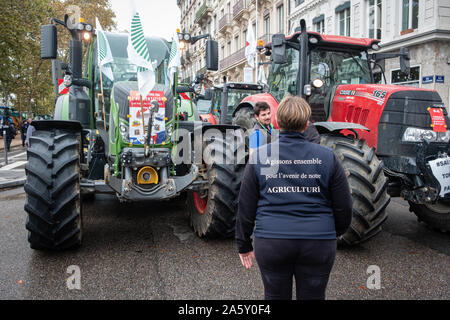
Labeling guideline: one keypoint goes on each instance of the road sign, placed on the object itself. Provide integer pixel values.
(427, 79)
(439, 79)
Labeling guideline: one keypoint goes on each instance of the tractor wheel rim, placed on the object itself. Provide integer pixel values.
(200, 203)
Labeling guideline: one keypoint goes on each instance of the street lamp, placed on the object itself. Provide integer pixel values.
(185, 38)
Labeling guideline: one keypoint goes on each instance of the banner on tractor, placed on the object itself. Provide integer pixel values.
(141, 112)
(437, 120)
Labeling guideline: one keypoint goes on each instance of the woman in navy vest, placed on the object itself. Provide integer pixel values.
(299, 209)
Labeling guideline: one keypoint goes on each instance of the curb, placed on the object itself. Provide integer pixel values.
(13, 184)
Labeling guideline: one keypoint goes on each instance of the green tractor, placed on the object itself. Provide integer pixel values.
(92, 145)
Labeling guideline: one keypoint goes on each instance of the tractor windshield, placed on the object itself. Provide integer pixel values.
(334, 67)
(235, 96)
(123, 69)
(283, 78)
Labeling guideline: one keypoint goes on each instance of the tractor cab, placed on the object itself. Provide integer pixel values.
(329, 63)
(117, 107)
(235, 92)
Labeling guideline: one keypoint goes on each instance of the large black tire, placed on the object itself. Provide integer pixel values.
(53, 200)
(213, 212)
(435, 215)
(368, 186)
(245, 118)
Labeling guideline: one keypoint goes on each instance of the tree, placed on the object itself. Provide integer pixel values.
(25, 79)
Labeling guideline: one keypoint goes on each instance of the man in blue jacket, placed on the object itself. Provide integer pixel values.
(298, 210)
(263, 128)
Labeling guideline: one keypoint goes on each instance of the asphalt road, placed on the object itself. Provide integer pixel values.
(148, 251)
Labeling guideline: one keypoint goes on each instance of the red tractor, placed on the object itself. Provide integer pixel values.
(392, 140)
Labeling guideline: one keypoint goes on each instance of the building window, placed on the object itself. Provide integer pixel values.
(236, 43)
(410, 14)
(375, 19)
(343, 18)
(244, 37)
(267, 25)
(319, 23)
(229, 48)
(298, 2)
(344, 22)
(280, 11)
(398, 77)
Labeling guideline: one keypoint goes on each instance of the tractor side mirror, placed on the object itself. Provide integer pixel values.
(212, 55)
(49, 42)
(279, 49)
(405, 60)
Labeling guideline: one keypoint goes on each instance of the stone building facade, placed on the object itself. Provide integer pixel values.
(423, 26)
(227, 22)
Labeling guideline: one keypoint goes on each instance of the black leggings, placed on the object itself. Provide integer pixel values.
(309, 261)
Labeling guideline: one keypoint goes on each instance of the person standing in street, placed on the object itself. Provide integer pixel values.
(23, 131)
(298, 212)
(30, 131)
(10, 134)
(263, 128)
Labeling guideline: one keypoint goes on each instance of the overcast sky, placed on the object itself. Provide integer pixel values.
(159, 17)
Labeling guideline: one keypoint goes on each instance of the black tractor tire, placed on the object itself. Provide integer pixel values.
(245, 118)
(53, 199)
(437, 215)
(368, 186)
(217, 219)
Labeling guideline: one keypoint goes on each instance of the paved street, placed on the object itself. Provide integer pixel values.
(148, 251)
(13, 173)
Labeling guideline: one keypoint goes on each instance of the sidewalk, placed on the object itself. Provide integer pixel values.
(17, 142)
(14, 177)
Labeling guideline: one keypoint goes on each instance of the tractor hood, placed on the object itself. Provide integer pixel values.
(387, 110)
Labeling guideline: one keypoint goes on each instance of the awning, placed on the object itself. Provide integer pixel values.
(318, 19)
(343, 7)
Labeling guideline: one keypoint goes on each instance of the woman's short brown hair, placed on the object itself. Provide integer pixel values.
(293, 114)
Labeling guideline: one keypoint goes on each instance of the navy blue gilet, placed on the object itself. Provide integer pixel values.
(295, 201)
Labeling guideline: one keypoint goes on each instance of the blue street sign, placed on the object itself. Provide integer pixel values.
(439, 79)
(427, 79)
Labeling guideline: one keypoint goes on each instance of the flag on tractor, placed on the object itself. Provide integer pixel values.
(104, 51)
(174, 58)
(250, 46)
(262, 75)
(139, 54)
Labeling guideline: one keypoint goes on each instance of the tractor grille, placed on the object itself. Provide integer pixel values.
(357, 115)
(405, 109)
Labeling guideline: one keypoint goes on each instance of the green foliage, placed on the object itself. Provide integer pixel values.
(25, 79)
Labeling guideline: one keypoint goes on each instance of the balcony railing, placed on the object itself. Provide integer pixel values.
(203, 10)
(233, 59)
(239, 8)
(224, 22)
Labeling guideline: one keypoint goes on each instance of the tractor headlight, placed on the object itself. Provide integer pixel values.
(417, 135)
(123, 128)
